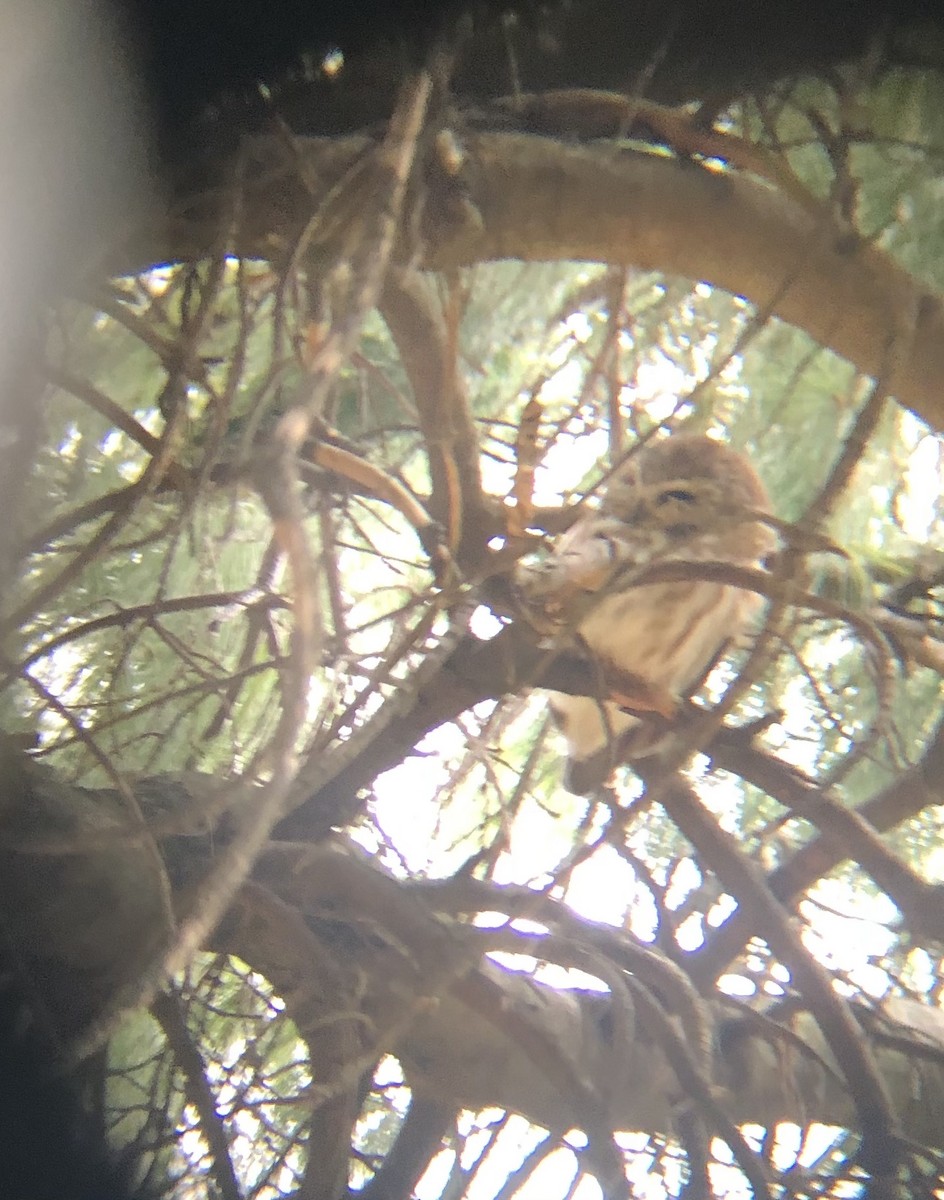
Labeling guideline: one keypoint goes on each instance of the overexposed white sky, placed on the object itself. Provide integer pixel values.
(847, 931)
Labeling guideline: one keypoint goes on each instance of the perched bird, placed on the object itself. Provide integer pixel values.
(685, 499)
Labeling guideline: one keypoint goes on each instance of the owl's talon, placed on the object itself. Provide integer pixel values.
(643, 698)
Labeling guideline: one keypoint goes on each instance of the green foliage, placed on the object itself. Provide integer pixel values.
(256, 1071)
(154, 613)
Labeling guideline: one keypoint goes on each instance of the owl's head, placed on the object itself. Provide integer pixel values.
(690, 484)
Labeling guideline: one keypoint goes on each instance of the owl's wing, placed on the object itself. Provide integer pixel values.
(557, 590)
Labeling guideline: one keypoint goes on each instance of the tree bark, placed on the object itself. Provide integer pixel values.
(540, 200)
(467, 1031)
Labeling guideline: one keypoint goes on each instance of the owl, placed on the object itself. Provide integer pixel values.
(687, 498)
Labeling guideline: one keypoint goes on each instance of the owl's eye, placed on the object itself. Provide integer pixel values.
(680, 494)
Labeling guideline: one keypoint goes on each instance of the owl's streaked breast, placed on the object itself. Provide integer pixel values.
(685, 499)
(667, 634)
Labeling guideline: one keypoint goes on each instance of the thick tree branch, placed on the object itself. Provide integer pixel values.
(875, 1110)
(341, 937)
(510, 662)
(472, 672)
(905, 796)
(452, 443)
(542, 200)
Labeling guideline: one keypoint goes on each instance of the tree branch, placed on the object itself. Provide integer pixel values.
(905, 796)
(541, 200)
